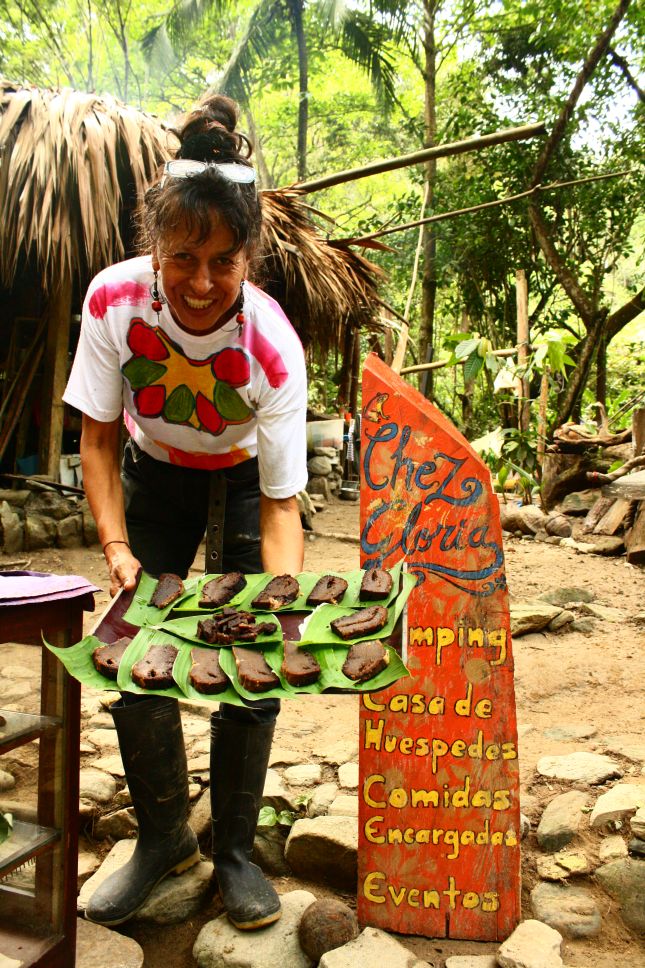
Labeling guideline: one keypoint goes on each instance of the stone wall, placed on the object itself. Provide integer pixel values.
(31, 519)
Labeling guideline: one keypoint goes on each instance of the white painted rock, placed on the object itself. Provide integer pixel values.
(372, 947)
(620, 802)
(348, 776)
(97, 786)
(344, 806)
(570, 909)
(579, 767)
(321, 800)
(220, 945)
(324, 848)
(305, 774)
(532, 945)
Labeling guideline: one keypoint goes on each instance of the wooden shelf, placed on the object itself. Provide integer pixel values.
(27, 840)
(20, 728)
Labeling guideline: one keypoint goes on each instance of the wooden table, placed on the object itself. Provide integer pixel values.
(38, 927)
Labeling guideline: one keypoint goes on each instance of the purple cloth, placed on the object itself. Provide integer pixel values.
(28, 587)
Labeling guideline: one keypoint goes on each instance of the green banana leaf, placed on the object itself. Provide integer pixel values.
(186, 628)
(142, 613)
(181, 675)
(331, 662)
(77, 659)
(137, 650)
(274, 660)
(190, 603)
(318, 631)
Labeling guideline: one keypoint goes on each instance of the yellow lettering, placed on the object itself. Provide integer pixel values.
(501, 799)
(397, 896)
(431, 899)
(481, 798)
(367, 790)
(420, 636)
(476, 638)
(492, 751)
(398, 798)
(470, 900)
(406, 745)
(497, 639)
(452, 840)
(399, 703)
(369, 885)
(458, 748)
(423, 746)
(418, 703)
(445, 637)
(490, 901)
(373, 734)
(370, 703)
(413, 901)
(370, 830)
(439, 749)
(508, 751)
(427, 798)
(483, 709)
(464, 706)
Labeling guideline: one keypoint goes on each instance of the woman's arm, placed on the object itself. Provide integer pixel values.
(281, 538)
(102, 482)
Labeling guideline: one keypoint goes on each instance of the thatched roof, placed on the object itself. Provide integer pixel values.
(71, 166)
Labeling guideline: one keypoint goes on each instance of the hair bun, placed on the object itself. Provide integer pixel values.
(209, 132)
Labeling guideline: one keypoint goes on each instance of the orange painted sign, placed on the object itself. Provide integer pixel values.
(439, 785)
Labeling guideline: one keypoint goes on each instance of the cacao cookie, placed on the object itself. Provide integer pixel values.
(365, 660)
(154, 671)
(376, 583)
(167, 590)
(221, 590)
(328, 590)
(280, 591)
(364, 622)
(206, 674)
(253, 671)
(106, 658)
(299, 668)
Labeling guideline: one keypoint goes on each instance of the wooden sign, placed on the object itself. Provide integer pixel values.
(439, 784)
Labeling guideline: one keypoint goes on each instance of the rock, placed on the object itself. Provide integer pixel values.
(344, 806)
(50, 504)
(268, 850)
(565, 617)
(319, 466)
(605, 612)
(110, 764)
(39, 532)
(319, 486)
(97, 786)
(326, 924)
(88, 864)
(324, 848)
(531, 617)
(102, 738)
(579, 502)
(7, 781)
(93, 942)
(528, 519)
(575, 732)
(200, 820)
(341, 752)
(472, 961)
(348, 776)
(330, 452)
(15, 499)
(117, 825)
(69, 532)
(275, 793)
(525, 826)
(636, 847)
(620, 802)
(171, 901)
(531, 945)
(584, 625)
(11, 530)
(372, 947)
(560, 866)
(306, 509)
(603, 544)
(220, 945)
(636, 754)
(612, 848)
(580, 767)
(561, 820)
(10, 690)
(321, 800)
(624, 880)
(567, 595)
(87, 809)
(306, 774)
(200, 764)
(557, 524)
(637, 823)
(284, 757)
(570, 910)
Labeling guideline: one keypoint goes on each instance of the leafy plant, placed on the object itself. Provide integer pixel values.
(6, 826)
(269, 817)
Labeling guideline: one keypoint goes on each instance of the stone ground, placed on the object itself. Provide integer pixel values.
(576, 692)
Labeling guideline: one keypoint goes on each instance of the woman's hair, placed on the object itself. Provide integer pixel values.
(207, 134)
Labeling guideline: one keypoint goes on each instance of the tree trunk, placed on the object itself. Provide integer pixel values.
(429, 277)
(297, 10)
(601, 375)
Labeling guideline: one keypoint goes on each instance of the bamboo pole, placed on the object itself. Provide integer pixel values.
(402, 343)
(438, 364)
(522, 297)
(520, 133)
(56, 353)
(541, 430)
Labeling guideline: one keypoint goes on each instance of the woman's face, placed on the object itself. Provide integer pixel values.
(200, 280)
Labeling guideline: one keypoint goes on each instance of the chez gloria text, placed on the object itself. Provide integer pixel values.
(414, 525)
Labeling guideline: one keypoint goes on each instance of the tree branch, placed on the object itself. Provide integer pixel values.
(630, 310)
(623, 67)
(586, 71)
(565, 277)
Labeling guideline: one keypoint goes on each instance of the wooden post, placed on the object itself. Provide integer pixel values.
(523, 389)
(55, 378)
(439, 814)
(355, 376)
(541, 430)
(638, 432)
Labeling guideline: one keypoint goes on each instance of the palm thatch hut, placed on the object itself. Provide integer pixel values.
(72, 166)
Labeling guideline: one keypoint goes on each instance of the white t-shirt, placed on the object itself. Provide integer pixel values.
(198, 401)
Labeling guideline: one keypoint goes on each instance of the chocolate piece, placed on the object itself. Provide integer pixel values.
(365, 660)
(168, 588)
(364, 622)
(206, 674)
(299, 668)
(253, 670)
(221, 590)
(106, 658)
(230, 626)
(280, 591)
(154, 671)
(376, 583)
(328, 590)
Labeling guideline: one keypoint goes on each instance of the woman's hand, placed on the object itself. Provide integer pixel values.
(124, 568)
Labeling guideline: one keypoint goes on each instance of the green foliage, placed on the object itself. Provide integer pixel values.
(6, 826)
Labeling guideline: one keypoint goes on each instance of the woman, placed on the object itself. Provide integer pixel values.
(211, 379)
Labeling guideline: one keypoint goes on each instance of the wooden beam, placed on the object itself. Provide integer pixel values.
(522, 297)
(55, 378)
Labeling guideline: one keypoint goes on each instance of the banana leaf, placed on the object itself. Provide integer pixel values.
(190, 603)
(186, 628)
(274, 660)
(318, 632)
(77, 659)
(181, 675)
(137, 649)
(331, 676)
(142, 613)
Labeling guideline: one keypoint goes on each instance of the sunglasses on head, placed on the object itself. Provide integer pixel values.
(185, 167)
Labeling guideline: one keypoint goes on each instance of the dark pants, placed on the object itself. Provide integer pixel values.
(166, 512)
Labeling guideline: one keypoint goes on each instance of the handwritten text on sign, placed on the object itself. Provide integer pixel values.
(439, 810)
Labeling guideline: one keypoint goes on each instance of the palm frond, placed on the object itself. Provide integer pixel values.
(367, 44)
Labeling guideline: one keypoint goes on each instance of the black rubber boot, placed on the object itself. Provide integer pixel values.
(239, 760)
(154, 758)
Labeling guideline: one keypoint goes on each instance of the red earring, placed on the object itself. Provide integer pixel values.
(157, 299)
(240, 319)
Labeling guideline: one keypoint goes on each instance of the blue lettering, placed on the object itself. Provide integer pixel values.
(383, 434)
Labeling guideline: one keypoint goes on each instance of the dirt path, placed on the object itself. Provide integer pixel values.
(567, 680)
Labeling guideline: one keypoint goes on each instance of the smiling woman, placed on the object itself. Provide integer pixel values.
(210, 378)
